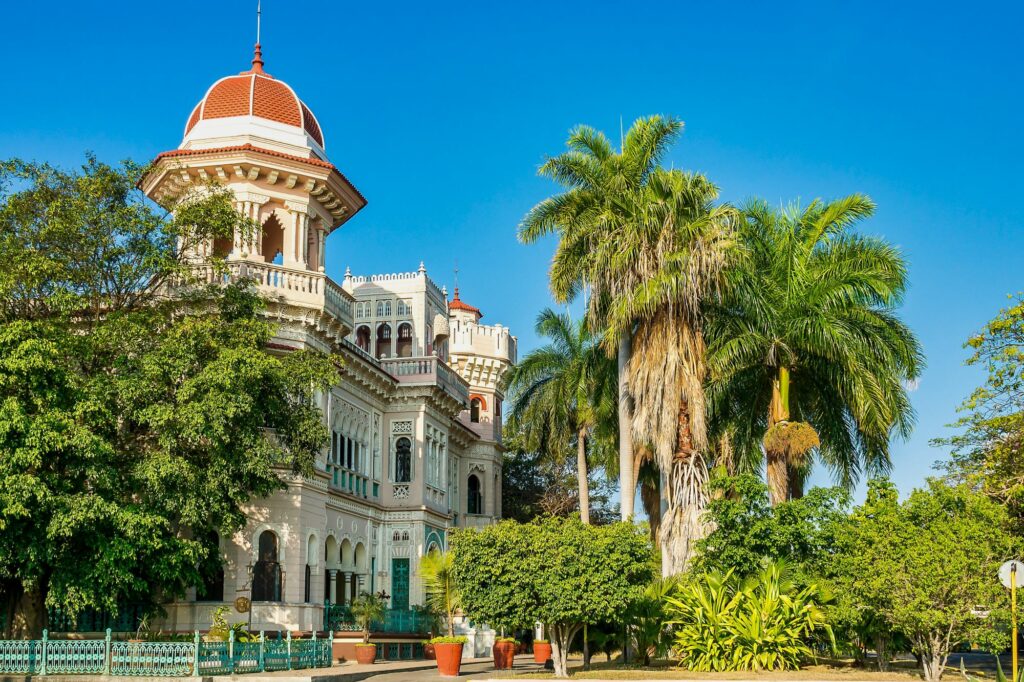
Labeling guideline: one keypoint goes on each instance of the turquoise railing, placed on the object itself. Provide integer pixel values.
(162, 659)
(338, 618)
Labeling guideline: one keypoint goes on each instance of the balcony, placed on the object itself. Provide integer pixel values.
(428, 371)
(301, 288)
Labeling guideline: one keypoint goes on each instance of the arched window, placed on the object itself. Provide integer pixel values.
(403, 347)
(403, 460)
(266, 574)
(474, 410)
(383, 308)
(308, 598)
(272, 240)
(384, 341)
(363, 338)
(475, 498)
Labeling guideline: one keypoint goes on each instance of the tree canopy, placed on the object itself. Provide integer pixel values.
(138, 412)
(925, 565)
(560, 572)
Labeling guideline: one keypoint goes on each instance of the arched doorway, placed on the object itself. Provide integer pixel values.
(403, 347)
(384, 341)
(363, 338)
(272, 239)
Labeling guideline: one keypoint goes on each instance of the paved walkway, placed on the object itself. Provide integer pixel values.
(392, 671)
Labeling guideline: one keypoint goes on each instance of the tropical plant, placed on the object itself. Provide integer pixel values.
(806, 351)
(442, 593)
(366, 609)
(560, 392)
(765, 622)
(599, 184)
(648, 617)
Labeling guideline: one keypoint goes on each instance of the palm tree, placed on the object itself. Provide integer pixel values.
(806, 351)
(680, 249)
(367, 609)
(437, 569)
(599, 183)
(559, 392)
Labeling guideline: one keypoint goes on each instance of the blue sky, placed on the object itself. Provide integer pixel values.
(441, 112)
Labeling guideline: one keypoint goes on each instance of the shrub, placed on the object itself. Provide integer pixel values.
(765, 622)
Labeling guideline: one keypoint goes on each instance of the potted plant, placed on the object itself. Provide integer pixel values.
(444, 598)
(428, 650)
(504, 651)
(541, 650)
(366, 608)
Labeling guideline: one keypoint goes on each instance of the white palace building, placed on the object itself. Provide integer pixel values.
(415, 422)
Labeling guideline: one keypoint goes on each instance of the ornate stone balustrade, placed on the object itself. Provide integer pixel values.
(428, 371)
(302, 288)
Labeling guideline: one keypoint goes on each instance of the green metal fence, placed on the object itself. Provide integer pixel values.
(338, 617)
(165, 659)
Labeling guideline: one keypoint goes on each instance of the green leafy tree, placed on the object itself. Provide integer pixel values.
(988, 453)
(560, 572)
(807, 353)
(134, 425)
(925, 566)
(748, 530)
(592, 214)
(560, 392)
(765, 622)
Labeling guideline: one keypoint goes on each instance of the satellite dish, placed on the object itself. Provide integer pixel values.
(1009, 567)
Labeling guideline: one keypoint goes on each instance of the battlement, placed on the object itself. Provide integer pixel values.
(398, 282)
(493, 341)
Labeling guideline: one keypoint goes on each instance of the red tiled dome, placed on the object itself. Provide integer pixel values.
(255, 93)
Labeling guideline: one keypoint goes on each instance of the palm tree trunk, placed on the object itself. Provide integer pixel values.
(777, 468)
(581, 475)
(627, 479)
(684, 492)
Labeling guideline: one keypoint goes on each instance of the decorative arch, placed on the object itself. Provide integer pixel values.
(383, 340)
(363, 338)
(403, 345)
(346, 553)
(360, 556)
(331, 552)
(482, 399)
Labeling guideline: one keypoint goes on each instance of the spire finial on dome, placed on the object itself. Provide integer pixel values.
(257, 57)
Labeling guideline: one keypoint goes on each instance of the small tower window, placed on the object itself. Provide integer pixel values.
(474, 410)
(403, 460)
(475, 498)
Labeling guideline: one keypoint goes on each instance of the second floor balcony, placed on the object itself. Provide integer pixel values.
(428, 371)
(302, 289)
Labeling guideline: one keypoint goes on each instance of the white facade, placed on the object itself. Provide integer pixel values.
(408, 459)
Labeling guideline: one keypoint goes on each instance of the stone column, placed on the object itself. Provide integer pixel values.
(322, 245)
(333, 580)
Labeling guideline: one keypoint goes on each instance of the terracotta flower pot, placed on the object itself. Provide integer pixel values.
(366, 653)
(449, 658)
(541, 652)
(504, 655)
(429, 653)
